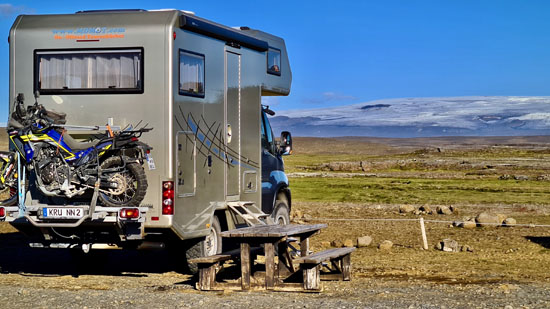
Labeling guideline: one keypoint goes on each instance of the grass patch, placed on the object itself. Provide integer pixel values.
(420, 191)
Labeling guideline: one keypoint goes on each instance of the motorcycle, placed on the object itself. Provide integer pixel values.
(64, 167)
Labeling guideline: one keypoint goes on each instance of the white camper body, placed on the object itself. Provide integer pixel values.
(198, 84)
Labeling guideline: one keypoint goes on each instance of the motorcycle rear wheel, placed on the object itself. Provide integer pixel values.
(8, 196)
(131, 184)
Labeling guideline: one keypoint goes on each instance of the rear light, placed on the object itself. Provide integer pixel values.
(134, 139)
(167, 197)
(129, 213)
(2, 212)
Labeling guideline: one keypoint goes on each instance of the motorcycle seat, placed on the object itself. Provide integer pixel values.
(76, 145)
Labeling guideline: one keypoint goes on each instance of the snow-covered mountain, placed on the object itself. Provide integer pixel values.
(422, 117)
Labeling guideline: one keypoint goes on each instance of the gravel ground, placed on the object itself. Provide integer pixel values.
(361, 292)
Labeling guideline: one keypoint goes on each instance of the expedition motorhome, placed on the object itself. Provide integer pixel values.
(198, 84)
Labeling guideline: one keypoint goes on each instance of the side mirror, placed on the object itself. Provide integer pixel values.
(285, 145)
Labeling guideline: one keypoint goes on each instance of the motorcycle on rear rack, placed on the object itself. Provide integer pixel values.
(67, 168)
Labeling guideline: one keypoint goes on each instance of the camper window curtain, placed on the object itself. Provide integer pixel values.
(90, 71)
(191, 79)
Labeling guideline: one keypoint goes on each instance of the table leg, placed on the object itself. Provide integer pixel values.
(269, 265)
(282, 270)
(304, 246)
(245, 266)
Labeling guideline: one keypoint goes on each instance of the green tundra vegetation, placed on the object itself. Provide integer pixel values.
(398, 171)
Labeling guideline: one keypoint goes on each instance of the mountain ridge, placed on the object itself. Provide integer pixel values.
(423, 117)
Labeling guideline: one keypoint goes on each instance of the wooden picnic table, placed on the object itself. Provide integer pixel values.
(271, 236)
(293, 273)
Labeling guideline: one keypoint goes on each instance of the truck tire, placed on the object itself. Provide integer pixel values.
(211, 245)
(281, 214)
(133, 184)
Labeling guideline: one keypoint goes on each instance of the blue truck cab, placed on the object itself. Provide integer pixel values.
(276, 198)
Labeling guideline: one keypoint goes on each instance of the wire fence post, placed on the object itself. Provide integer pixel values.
(424, 238)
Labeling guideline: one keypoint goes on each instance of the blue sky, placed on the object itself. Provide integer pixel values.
(345, 52)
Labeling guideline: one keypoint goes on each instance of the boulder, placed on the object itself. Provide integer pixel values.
(444, 210)
(487, 219)
(502, 217)
(426, 209)
(307, 217)
(448, 245)
(298, 214)
(405, 208)
(348, 243)
(509, 222)
(386, 245)
(466, 248)
(468, 224)
(364, 241)
(337, 243)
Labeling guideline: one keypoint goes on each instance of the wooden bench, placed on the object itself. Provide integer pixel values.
(340, 259)
(208, 266)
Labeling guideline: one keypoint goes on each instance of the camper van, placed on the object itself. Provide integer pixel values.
(198, 84)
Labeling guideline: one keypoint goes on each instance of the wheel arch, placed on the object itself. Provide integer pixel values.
(283, 192)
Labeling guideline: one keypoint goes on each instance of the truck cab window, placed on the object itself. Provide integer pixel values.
(191, 79)
(274, 61)
(89, 71)
(267, 134)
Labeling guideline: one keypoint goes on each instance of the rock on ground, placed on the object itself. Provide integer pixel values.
(348, 243)
(444, 210)
(405, 208)
(364, 241)
(386, 245)
(468, 224)
(337, 243)
(487, 219)
(509, 222)
(426, 209)
(502, 217)
(448, 245)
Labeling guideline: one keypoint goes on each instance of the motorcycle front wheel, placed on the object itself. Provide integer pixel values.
(131, 184)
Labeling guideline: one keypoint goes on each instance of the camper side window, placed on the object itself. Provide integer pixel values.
(274, 61)
(89, 71)
(191, 80)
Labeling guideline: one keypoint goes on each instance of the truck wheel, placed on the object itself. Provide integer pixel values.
(281, 214)
(131, 184)
(211, 245)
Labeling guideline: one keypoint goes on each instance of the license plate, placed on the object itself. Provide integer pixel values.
(62, 213)
(150, 161)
